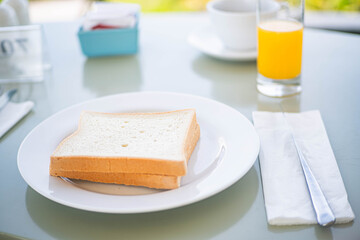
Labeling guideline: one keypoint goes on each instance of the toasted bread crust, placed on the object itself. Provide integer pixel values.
(192, 138)
(134, 179)
(117, 165)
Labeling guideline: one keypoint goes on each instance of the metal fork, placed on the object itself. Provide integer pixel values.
(6, 97)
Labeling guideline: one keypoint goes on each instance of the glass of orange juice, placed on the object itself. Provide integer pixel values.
(280, 38)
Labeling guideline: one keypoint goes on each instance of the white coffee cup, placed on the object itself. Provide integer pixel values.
(234, 21)
(21, 8)
(7, 16)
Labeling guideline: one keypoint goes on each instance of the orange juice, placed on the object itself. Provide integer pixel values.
(279, 49)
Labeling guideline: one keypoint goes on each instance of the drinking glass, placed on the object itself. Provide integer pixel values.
(280, 38)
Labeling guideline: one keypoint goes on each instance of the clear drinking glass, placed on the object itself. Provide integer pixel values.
(23, 54)
(280, 38)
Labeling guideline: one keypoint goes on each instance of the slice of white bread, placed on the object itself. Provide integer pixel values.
(149, 143)
(135, 179)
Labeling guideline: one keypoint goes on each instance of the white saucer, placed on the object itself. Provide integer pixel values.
(206, 41)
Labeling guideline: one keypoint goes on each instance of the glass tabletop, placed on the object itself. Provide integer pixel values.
(166, 62)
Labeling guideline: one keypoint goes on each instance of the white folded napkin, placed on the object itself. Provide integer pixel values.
(287, 200)
(111, 15)
(12, 113)
(93, 19)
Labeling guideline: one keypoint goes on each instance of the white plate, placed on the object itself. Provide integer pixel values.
(206, 41)
(227, 149)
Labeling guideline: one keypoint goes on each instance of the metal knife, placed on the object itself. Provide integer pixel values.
(6, 97)
(324, 215)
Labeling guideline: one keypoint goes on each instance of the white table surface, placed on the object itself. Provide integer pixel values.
(331, 83)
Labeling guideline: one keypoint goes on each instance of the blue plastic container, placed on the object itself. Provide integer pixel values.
(109, 42)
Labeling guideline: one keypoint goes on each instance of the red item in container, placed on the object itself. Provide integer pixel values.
(103, 26)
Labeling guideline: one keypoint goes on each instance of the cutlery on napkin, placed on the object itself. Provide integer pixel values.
(11, 113)
(324, 215)
(287, 199)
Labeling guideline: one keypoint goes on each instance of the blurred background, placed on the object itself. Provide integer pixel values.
(343, 15)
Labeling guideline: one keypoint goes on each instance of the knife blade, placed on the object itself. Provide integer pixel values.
(324, 215)
(6, 97)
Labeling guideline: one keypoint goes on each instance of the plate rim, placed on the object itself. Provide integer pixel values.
(151, 209)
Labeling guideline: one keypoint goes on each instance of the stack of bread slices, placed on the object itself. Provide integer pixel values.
(141, 149)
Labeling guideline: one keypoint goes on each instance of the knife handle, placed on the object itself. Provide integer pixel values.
(324, 214)
(6, 97)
